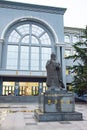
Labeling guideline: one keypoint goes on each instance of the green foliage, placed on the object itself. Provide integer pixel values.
(80, 70)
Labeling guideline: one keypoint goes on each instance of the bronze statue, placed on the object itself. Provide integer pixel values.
(53, 73)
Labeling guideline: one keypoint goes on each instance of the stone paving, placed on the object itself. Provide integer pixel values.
(21, 117)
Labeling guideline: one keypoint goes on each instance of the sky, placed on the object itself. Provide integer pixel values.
(75, 15)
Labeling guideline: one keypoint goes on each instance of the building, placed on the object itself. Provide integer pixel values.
(72, 35)
(28, 35)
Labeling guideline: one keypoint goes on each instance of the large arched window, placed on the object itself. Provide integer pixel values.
(29, 45)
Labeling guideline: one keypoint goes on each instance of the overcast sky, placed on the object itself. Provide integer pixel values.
(75, 15)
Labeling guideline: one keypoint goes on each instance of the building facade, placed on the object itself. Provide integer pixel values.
(71, 36)
(28, 35)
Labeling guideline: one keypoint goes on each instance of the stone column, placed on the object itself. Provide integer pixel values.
(63, 66)
(61, 60)
(16, 91)
(1, 85)
(1, 43)
(58, 54)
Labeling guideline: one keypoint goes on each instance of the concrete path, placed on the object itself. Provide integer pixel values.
(21, 117)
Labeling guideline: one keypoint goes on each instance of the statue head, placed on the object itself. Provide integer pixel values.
(53, 56)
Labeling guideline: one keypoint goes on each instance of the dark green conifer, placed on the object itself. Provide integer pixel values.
(80, 69)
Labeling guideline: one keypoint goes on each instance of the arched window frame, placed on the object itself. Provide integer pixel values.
(75, 38)
(49, 46)
(67, 38)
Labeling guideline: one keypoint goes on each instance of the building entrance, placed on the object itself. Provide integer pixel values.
(23, 88)
(28, 88)
(8, 88)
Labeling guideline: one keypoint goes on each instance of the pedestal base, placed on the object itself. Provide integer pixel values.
(57, 101)
(57, 105)
(63, 116)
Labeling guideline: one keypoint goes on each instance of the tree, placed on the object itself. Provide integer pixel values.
(79, 82)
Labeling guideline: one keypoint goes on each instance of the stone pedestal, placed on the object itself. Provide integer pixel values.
(57, 106)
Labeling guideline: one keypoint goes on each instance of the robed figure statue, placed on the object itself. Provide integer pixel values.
(53, 73)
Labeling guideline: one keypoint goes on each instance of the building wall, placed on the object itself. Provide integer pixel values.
(54, 20)
(50, 17)
(74, 35)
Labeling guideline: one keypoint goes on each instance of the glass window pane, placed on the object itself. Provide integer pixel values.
(12, 57)
(67, 53)
(83, 39)
(36, 30)
(67, 39)
(45, 39)
(67, 70)
(34, 40)
(46, 52)
(25, 39)
(34, 58)
(23, 29)
(14, 37)
(24, 58)
(75, 39)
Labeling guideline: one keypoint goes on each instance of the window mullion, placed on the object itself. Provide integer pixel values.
(30, 32)
(19, 56)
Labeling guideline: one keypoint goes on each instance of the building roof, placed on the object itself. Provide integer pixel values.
(32, 7)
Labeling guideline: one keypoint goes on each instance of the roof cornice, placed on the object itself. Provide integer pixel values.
(32, 7)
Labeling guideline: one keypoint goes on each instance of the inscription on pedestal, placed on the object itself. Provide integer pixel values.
(57, 102)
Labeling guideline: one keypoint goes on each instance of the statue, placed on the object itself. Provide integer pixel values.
(53, 73)
(56, 104)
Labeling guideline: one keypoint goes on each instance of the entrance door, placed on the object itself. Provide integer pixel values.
(21, 90)
(28, 88)
(8, 90)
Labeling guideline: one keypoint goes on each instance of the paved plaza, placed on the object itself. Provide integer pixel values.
(21, 117)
